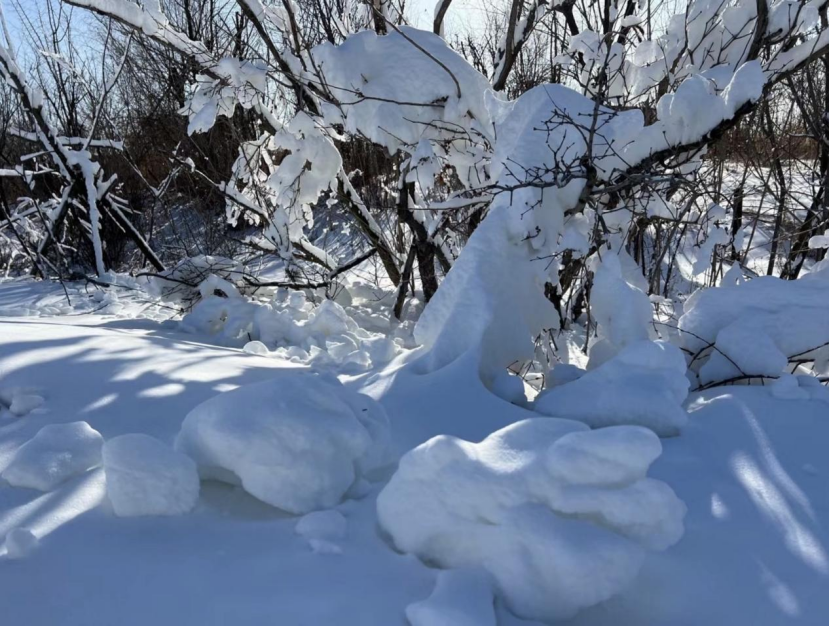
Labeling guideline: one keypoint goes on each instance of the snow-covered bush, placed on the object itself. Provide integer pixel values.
(645, 384)
(57, 453)
(753, 329)
(145, 477)
(198, 277)
(297, 442)
(561, 516)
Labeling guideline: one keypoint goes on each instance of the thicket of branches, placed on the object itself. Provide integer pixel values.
(137, 134)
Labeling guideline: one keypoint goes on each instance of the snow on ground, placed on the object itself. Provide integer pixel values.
(750, 466)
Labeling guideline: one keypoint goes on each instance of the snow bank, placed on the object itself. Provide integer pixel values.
(20, 542)
(645, 384)
(750, 326)
(57, 452)
(461, 596)
(297, 442)
(145, 477)
(560, 516)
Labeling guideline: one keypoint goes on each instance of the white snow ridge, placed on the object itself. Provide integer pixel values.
(297, 442)
(561, 516)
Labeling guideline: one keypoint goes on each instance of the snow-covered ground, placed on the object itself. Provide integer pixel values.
(750, 467)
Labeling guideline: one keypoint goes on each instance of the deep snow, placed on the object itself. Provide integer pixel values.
(749, 465)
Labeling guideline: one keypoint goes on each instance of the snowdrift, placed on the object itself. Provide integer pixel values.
(561, 516)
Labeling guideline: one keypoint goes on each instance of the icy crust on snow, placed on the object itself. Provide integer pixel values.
(297, 442)
(145, 477)
(750, 326)
(290, 325)
(645, 384)
(57, 453)
(561, 516)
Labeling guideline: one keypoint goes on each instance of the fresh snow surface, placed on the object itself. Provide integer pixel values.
(298, 442)
(145, 477)
(749, 465)
(559, 515)
(57, 452)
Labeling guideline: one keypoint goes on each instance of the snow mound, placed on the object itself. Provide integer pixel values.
(561, 516)
(145, 477)
(750, 326)
(461, 597)
(20, 401)
(56, 453)
(645, 384)
(327, 524)
(23, 404)
(294, 328)
(297, 442)
(20, 542)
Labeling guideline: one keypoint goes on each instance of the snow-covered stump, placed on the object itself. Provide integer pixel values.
(145, 477)
(57, 453)
(298, 442)
(561, 516)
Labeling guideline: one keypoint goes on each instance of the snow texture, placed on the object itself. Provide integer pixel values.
(750, 326)
(300, 443)
(57, 453)
(645, 384)
(145, 477)
(326, 524)
(462, 596)
(20, 542)
(510, 505)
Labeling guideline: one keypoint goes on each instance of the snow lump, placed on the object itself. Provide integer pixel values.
(645, 384)
(297, 442)
(57, 452)
(559, 515)
(20, 542)
(145, 477)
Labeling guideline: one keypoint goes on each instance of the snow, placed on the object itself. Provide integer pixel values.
(322, 525)
(22, 404)
(461, 596)
(644, 384)
(622, 311)
(750, 467)
(57, 453)
(507, 504)
(297, 326)
(750, 328)
(299, 445)
(20, 542)
(145, 477)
